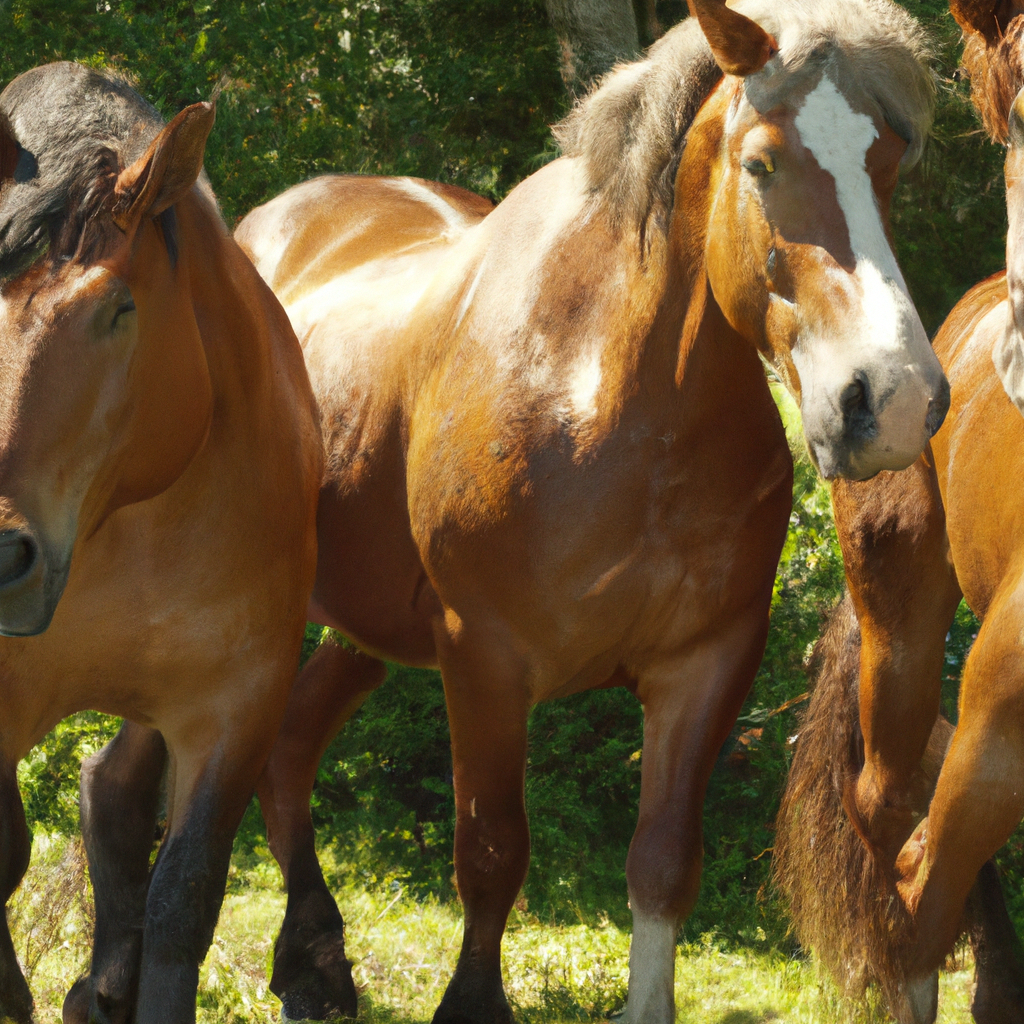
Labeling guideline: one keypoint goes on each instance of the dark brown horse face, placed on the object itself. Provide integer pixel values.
(105, 393)
(66, 345)
(801, 263)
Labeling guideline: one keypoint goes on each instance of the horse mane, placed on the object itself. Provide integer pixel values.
(996, 71)
(630, 129)
(75, 130)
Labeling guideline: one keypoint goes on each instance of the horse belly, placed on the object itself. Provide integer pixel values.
(370, 582)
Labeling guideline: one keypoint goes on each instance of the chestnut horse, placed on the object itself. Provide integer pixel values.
(878, 870)
(553, 458)
(159, 466)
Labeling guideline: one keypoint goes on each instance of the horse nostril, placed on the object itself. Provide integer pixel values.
(855, 402)
(17, 556)
(937, 408)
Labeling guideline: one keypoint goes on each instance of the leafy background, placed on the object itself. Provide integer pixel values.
(464, 91)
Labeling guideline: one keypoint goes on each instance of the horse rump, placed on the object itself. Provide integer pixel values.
(843, 902)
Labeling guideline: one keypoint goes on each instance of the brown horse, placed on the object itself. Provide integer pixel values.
(553, 458)
(159, 466)
(878, 869)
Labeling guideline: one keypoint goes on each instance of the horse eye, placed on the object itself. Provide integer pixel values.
(125, 307)
(771, 260)
(759, 168)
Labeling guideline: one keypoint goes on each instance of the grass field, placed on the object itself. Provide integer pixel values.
(405, 951)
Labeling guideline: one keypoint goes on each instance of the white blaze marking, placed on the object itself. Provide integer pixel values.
(840, 137)
(652, 971)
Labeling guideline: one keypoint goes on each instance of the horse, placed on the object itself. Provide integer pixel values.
(553, 460)
(885, 857)
(160, 461)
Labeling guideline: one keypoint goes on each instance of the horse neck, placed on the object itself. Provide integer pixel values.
(240, 323)
(690, 352)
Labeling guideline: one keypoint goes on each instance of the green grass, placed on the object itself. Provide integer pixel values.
(404, 952)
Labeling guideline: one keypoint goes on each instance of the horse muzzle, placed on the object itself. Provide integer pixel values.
(866, 429)
(29, 588)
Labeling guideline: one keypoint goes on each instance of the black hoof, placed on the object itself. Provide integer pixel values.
(474, 997)
(83, 1005)
(76, 1003)
(315, 983)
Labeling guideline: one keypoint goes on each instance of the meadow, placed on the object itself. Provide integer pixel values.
(403, 951)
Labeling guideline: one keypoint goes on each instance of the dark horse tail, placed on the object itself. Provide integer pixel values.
(844, 907)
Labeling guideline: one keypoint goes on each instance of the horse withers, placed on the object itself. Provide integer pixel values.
(882, 874)
(553, 460)
(159, 465)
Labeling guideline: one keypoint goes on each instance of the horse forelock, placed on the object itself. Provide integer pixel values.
(75, 129)
(630, 130)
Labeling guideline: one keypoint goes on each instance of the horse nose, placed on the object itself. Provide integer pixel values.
(859, 424)
(937, 408)
(18, 553)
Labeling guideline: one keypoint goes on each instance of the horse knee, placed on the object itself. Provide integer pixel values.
(663, 870)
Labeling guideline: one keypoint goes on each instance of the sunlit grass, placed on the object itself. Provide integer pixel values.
(404, 952)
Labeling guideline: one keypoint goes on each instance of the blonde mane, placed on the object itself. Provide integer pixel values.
(630, 130)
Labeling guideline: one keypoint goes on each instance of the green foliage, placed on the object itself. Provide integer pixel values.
(449, 89)
(48, 777)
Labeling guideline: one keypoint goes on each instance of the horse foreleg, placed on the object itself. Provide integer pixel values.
(214, 776)
(119, 801)
(689, 708)
(900, 576)
(312, 976)
(998, 954)
(979, 798)
(492, 836)
(15, 850)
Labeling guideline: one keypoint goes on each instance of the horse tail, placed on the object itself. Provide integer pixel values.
(843, 905)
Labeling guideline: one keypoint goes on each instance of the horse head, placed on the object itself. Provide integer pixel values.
(105, 394)
(806, 134)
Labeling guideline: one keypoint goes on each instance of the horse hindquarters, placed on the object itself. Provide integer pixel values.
(15, 850)
(312, 976)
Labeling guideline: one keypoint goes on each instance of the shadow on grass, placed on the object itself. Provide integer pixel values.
(748, 1017)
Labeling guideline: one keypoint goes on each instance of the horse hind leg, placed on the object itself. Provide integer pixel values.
(312, 976)
(119, 801)
(15, 850)
(998, 996)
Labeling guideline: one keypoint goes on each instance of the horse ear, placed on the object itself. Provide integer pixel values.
(740, 46)
(166, 171)
(987, 17)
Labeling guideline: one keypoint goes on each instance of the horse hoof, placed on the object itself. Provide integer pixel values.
(319, 988)
(76, 1003)
(473, 999)
(918, 1001)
